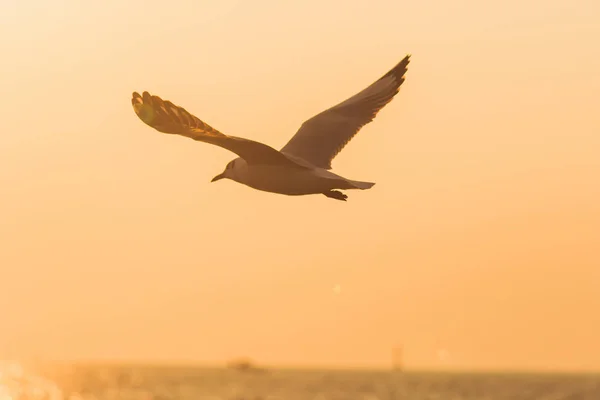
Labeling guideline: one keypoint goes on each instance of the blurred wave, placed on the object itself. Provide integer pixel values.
(16, 384)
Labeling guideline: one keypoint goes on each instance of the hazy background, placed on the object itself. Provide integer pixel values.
(477, 248)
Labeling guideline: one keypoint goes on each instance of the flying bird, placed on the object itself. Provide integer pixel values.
(303, 165)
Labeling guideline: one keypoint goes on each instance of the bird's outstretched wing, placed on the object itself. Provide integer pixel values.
(166, 117)
(323, 136)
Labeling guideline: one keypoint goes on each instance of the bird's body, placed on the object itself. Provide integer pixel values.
(302, 166)
(289, 180)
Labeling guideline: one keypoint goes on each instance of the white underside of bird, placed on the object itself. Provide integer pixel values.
(291, 181)
(302, 166)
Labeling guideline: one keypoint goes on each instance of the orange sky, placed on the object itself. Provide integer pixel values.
(479, 241)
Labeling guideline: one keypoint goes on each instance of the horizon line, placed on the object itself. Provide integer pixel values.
(174, 363)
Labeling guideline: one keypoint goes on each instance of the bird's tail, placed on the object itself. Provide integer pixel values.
(361, 185)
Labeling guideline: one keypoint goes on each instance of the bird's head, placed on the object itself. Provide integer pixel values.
(232, 170)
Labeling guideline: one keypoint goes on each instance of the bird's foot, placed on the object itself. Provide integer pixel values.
(334, 194)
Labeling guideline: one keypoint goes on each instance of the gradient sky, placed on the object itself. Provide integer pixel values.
(479, 247)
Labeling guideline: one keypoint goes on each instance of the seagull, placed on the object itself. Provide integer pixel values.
(303, 165)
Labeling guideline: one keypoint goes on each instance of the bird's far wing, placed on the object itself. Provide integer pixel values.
(166, 117)
(323, 136)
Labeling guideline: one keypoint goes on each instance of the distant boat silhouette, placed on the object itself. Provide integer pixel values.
(244, 365)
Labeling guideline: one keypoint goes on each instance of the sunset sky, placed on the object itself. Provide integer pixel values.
(478, 248)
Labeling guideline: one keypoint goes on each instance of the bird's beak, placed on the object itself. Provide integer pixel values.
(216, 178)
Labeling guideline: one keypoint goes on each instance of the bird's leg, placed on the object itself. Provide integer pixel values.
(334, 194)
